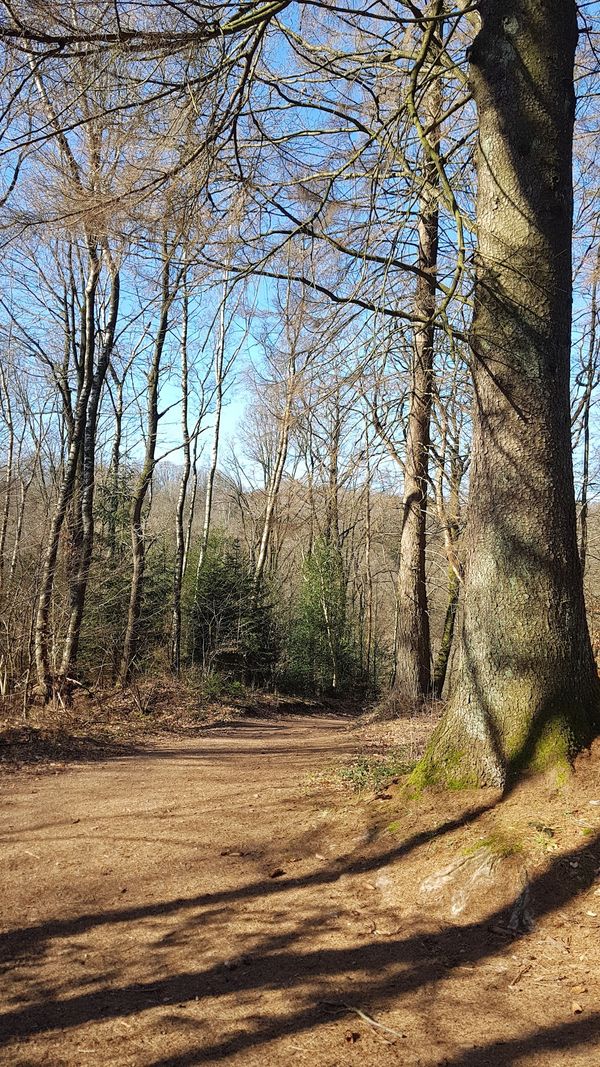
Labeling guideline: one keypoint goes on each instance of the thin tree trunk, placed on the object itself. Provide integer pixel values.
(115, 468)
(526, 690)
(275, 480)
(587, 406)
(413, 663)
(8, 419)
(368, 567)
(214, 453)
(42, 626)
(138, 540)
(332, 516)
(191, 505)
(180, 508)
(85, 517)
(443, 656)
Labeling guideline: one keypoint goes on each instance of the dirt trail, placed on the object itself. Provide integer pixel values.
(206, 901)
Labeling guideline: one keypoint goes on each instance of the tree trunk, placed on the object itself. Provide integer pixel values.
(138, 539)
(413, 653)
(85, 499)
(526, 690)
(274, 485)
(443, 656)
(214, 454)
(6, 408)
(69, 480)
(183, 486)
(587, 408)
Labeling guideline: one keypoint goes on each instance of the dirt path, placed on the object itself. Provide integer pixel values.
(206, 901)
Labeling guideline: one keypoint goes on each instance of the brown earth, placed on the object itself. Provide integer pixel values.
(226, 898)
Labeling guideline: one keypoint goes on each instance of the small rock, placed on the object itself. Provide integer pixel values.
(383, 881)
(576, 1008)
(277, 873)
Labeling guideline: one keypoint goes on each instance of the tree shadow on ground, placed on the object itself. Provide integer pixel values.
(30, 939)
(384, 971)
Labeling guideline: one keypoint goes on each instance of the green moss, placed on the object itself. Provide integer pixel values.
(448, 770)
(499, 843)
(553, 748)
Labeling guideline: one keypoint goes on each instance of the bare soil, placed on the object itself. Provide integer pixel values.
(227, 898)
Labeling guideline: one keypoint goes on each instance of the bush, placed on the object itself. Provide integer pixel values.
(231, 631)
(320, 656)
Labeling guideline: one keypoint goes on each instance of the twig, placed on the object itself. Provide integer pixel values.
(367, 1018)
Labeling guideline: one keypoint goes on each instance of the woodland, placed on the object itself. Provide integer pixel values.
(299, 533)
(300, 349)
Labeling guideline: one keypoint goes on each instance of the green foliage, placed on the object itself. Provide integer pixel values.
(371, 772)
(112, 507)
(319, 655)
(231, 629)
(217, 686)
(107, 601)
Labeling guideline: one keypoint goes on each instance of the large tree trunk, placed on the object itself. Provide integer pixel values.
(526, 691)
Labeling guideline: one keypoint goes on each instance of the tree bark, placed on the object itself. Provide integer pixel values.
(587, 408)
(68, 485)
(143, 483)
(214, 453)
(413, 650)
(526, 689)
(274, 485)
(183, 486)
(6, 409)
(85, 499)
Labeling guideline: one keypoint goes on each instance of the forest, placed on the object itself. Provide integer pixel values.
(268, 392)
(300, 322)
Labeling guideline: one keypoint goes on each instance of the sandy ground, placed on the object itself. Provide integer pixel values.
(223, 899)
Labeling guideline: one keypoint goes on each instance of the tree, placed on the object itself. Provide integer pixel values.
(526, 690)
(413, 678)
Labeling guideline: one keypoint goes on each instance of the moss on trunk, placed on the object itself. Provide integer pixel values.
(525, 693)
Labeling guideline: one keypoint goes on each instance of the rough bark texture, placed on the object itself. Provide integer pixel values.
(443, 656)
(526, 691)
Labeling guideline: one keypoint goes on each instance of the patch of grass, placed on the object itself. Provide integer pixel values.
(375, 772)
(499, 843)
(394, 827)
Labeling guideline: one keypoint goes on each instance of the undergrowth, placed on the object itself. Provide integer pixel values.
(376, 772)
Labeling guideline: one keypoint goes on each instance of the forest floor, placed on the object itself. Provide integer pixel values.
(254, 893)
